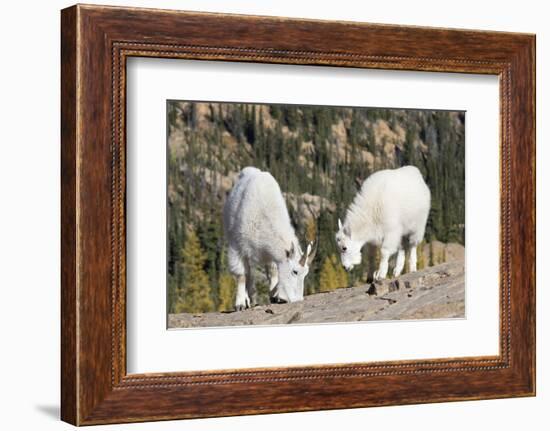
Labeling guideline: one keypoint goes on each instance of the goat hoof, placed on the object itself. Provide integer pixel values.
(242, 304)
(277, 300)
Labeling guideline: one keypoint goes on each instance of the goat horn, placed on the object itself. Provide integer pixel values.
(303, 259)
(312, 251)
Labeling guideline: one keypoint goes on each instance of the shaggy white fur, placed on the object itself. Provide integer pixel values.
(390, 211)
(259, 232)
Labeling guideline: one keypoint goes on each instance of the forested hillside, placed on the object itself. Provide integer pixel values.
(319, 156)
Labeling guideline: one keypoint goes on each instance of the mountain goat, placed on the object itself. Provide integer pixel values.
(258, 231)
(390, 211)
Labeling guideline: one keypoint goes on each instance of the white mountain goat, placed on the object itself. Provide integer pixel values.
(258, 231)
(390, 211)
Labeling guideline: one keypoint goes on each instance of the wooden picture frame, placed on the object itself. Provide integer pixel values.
(95, 43)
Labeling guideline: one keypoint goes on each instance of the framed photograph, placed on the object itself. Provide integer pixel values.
(254, 200)
(329, 214)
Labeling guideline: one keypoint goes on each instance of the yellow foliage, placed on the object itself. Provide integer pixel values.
(327, 280)
(420, 258)
(432, 257)
(311, 229)
(341, 274)
(227, 286)
(333, 275)
(195, 296)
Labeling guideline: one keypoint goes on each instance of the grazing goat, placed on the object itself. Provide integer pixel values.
(390, 211)
(258, 231)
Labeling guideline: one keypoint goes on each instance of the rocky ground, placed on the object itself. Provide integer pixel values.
(433, 293)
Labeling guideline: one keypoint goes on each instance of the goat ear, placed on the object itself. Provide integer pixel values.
(311, 251)
(339, 224)
(347, 232)
(290, 252)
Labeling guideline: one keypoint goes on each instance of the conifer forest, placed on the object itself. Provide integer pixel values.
(319, 155)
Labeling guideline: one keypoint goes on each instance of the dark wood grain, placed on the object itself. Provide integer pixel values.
(96, 41)
(69, 331)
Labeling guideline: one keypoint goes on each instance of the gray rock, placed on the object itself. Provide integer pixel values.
(433, 293)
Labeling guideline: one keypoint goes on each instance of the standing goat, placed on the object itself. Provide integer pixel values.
(258, 230)
(390, 211)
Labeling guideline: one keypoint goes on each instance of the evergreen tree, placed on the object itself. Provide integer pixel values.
(328, 279)
(210, 236)
(420, 256)
(227, 288)
(292, 117)
(311, 230)
(195, 292)
(340, 272)
(409, 152)
(333, 275)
